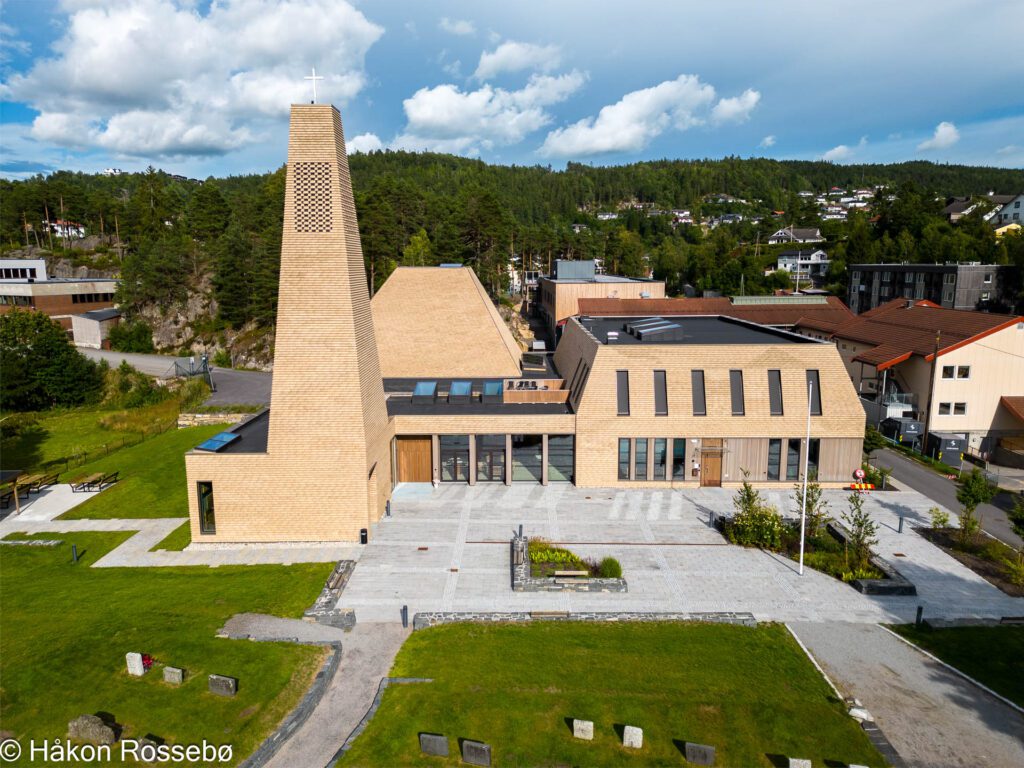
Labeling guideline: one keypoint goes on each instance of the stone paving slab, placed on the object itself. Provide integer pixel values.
(260, 626)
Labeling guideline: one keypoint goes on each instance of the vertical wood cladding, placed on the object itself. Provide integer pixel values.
(327, 470)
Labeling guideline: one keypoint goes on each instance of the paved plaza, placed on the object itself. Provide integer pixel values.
(447, 549)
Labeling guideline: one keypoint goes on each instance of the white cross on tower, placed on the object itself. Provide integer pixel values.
(314, 78)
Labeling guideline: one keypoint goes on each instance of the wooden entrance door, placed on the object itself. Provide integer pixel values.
(413, 456)
(711, 462)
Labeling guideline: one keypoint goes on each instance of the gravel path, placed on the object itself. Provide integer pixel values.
(367, 654)
(934, 718)
(260, 626)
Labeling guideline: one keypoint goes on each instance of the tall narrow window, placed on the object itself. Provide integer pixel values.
(660, 394)
(774, 458)
(736, 388)
(813, 449)
(640, 459)
(699, 403)
(678, 458)
(623, 458)
(793, 458)
(775, 392)
(207, 522)
(660, 457)
(812, 381)
(622, 392)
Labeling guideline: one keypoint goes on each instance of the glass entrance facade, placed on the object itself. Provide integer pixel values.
(527, 458)
(490, 458)
(454, 458)
(561, 459)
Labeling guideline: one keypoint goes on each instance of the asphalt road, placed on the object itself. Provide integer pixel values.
(233, 387)
(943, 491)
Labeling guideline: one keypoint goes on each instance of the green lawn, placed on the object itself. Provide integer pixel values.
(66, 629)
(67, 433)
(152, 480)
(994, 656)
(751, 693)
(176, 540)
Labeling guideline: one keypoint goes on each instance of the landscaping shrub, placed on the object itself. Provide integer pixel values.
(610, 568)
(125, 387)
(222, 358)
(875, 475)
(755, 523)
(545, 559)
(940, 518)
(136, 336)
(863, 531)
(817, 507)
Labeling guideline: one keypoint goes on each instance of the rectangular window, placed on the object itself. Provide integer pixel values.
(988, 277)
(963, 372)
(454, 458)
(948, 297)
(560, 458)
(700, 407)
(623, 458)
(207, 522)
(679, 458)
(947, 371)
(815, 387)
(949, 279)
(660, 457)
(660, 394)
(793, 458)
(640, 459)
(959, 409)
(622, 392)
(736, 389)
(944, 409)
(490, 458)
(527, 458)
(774, 458)
(775, 392)
(813, 451)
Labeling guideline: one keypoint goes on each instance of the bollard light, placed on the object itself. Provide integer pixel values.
(74, 553)
(405, 616)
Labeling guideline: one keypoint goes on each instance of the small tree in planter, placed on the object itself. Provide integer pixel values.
(817, 507)
(975, 489)
(940, 518)
(863, 532)
(755, 524)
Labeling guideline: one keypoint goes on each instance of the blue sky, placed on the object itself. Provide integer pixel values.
(202, 88)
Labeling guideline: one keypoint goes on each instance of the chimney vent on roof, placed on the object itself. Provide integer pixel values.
(613, 336)
(910, 303)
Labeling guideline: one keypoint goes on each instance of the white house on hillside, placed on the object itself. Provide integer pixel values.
(796, 235)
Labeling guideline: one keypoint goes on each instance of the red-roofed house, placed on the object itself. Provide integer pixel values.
(953, 369)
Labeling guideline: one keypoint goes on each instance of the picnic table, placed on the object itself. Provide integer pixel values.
(95, 482)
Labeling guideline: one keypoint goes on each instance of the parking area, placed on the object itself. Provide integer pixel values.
(447, 548)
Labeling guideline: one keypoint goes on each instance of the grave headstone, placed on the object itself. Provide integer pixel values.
(860, 715)
(222, 685)
(476, 753)
(583, 729)
(633, 737)
(174, 675)
(798, 762)
(91, 729)
(135, 666)
(434, 744)
(856, 765)
(700, 754)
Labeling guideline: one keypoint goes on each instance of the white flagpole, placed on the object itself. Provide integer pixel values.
(803, 501)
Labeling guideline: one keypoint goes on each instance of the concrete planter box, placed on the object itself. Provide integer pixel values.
(522, 581)
(894, 583)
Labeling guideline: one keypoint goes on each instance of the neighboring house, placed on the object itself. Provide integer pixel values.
(1007, 229)
(605, 216)
(966, 285)
(950, 369)
(958, 207)
(1012, 211)
(805, 265)
(65, 229)
(24, 283)
(796, 235)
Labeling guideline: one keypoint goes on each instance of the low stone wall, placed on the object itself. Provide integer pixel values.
(202, 419)
(437, 618)
(325, 610)
(894, 583)
(522, 581)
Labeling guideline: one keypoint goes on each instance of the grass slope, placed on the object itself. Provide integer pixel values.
(176, 540)
(66, 629)
(993, 656)
(152, 480)
(749, 692)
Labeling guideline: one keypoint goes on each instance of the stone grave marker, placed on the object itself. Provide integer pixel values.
(797, 762)
(633, 737)
(174, 675)
(434, 744)
(90, 729)
(135, 666)
(700, 754)
(476, 753)
(583, 729)
(222, 685)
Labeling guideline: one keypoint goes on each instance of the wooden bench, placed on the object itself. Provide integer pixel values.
(6, 496)
(85, 483)
(30, 483)
(567, 574)
(107, 480)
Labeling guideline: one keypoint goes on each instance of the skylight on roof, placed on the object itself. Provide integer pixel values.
(217, 442)
(460, 388)
(424, 389)
(492, 387)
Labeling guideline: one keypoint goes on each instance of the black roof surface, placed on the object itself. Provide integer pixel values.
(696, 329)
(402, 406)
(253, 433)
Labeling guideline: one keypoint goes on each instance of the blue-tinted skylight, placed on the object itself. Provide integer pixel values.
(217, 442)
(460, 388)
(424, 389)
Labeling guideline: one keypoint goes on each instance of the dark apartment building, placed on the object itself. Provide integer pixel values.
(967, 285)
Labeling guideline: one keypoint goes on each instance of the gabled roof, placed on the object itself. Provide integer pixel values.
(831, 311)
(898, 331)
(1015, 405)
(440, 322)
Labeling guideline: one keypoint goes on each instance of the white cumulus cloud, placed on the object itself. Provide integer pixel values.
(447, 119)
(736, 109)
(457, 27)
(945, 136)
(160, 78)
(766, 142)
(632, 122)
(844, 152)
(364, 142)
(516, 57)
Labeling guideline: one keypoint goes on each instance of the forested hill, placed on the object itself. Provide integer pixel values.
(174, 238)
